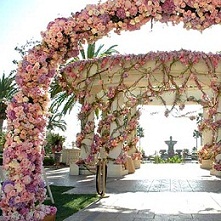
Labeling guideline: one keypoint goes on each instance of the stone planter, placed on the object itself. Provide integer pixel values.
(74, 169)
(217, 173)
(130, 165)
(57, 158)
(213, 172)
(136, 164)
(116, 170)
(49, 218)
(206, 164)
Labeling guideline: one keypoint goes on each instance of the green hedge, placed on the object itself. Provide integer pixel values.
(48, 161)
(174, 159)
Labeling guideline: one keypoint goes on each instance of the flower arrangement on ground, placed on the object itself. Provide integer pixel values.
(205, 153)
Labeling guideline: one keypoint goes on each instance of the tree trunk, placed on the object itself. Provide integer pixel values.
(196, 142)
(1, 125)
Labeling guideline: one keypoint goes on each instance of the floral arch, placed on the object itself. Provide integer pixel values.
(23, 191)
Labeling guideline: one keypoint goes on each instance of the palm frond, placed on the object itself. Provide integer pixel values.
(55, 88)
(98, 51)
(69, 105)
(56, 121)
(64, 102)
(111, 50)
(91, 50)
(7, 89)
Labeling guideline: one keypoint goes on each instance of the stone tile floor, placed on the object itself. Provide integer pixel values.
(155, 192)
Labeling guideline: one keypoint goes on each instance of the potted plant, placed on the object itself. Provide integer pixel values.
(55, 145)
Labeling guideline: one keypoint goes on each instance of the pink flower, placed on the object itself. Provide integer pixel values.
(8, 186)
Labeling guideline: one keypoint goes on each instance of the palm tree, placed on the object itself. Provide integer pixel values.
(92, 52)
(62, 98)
(7, 90)
(140, 131)
(196, 135)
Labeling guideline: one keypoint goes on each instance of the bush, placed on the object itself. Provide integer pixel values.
(48, 161)
(174, 159)
(52, 140)
(158, 159)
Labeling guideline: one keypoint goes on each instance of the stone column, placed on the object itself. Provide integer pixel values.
(207, 133)
(218, 118)
(132, 127)
(116, 138)
(208, 139)
(87, 127)
(217, 146)
(116, 126)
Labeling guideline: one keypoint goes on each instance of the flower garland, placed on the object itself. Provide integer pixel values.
(136, 156)
(24, 192)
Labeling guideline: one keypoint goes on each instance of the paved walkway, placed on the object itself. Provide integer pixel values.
(156, 192)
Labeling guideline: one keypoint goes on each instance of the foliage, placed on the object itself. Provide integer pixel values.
(2, 140)
(53, 139)
(7, 90)
(92, 52)
(174, 159)
(143, 153)
(1, 160)
(140, 131)
(68, 204)
(48, 161)
(55, 121)
(23, 49)
(197, 133)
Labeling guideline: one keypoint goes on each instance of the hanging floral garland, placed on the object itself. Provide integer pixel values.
(117, 70)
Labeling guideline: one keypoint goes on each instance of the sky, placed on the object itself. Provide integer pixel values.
(22, 20)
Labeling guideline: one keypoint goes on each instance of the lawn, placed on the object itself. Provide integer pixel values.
(68, 204)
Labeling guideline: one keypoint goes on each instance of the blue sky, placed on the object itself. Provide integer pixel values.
(22, 20)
